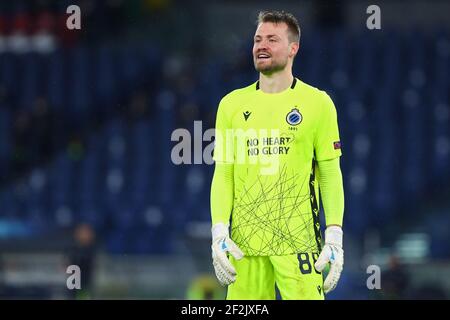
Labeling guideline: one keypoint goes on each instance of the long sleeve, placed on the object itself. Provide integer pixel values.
(222, 193)
(331, 191)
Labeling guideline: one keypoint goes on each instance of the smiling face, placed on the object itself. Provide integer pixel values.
(272, 49)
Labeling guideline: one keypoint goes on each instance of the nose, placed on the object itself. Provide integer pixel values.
(261, 46)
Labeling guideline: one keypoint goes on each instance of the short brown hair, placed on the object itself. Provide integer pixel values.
(280, 17)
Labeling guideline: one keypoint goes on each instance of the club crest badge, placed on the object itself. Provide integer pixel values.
(294, 117)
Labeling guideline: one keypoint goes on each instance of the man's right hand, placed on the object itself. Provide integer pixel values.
(221, 245)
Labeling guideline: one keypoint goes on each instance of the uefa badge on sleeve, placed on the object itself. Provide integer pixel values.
(294, 117)
(337, 145)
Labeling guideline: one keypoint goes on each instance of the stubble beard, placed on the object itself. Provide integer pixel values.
(273, 67)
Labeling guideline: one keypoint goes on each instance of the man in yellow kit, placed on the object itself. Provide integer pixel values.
(277, 141)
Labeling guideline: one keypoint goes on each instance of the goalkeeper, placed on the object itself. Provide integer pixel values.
(277, 141)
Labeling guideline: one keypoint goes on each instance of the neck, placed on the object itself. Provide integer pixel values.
(276, 82)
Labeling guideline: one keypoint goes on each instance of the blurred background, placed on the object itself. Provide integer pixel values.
(86, 118)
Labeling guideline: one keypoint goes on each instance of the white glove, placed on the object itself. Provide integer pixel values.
(331, 253)
(221, 244)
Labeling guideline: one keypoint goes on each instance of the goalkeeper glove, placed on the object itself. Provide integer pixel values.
(221, 244)
(331, 253)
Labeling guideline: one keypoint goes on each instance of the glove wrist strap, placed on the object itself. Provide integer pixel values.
(219, 230)
(334, 235)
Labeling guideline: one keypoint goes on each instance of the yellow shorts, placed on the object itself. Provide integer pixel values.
(294, 276)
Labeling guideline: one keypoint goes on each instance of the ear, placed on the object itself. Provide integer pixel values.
(294, 47)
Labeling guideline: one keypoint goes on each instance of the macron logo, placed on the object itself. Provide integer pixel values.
(224, 245)
(246, 115)
(332, 258)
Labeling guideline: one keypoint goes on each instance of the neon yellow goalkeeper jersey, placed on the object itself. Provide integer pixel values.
(273, 141)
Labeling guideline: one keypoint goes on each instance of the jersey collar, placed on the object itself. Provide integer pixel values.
(294, 82)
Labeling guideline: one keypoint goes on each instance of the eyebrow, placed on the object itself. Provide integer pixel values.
(268, 36)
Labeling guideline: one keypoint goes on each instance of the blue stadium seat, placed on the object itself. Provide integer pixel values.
(56, 80)
(79, 95)
(105, 80)
(30, 66)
